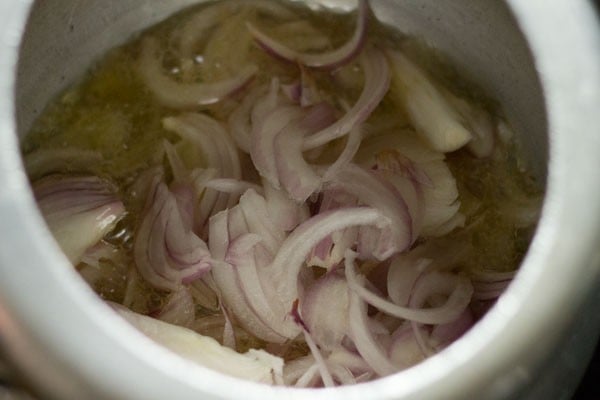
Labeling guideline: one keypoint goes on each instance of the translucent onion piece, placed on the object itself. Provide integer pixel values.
(459, 291)
(432, 115)
(480, 123)
(255, 365)
(366, 344)
(240, 124)
(219, 153)
(79, 211)
(330, 251)
(331, 60)
(221, 233)
(377, 82)
(298, 178)
(327, 324)
(440, 193)
(186, 95)
(405, 350)
(372, 191)
(284, 212)
(199, 24)
(232, 186)
(290, 258)
(319, 361)
(166, 251)
(262, 148)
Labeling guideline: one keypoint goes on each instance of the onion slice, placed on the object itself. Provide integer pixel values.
(377, 82)
(79, 211)
(330, 60)
(255, 365)
(186, 95)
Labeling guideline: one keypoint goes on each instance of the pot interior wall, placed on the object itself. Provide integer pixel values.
(64, 37)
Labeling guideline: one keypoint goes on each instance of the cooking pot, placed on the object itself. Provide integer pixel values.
(539, 59)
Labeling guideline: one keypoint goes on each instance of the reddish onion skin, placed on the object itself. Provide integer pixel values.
(166, 251)
(79, 211)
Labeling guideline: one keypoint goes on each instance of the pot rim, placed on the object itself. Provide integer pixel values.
(563, 260)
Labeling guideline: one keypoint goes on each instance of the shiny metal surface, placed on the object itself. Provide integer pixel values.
(72, 347)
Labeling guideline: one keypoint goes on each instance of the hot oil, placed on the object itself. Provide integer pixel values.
(111, 112)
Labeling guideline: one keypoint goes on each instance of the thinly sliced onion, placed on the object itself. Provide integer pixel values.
(199, 24)
(167, 253)
(240, 124)
(370, 190)
(431, 114)
(291, 255)
(260, 222)
(298, 178)
(266, 308)
(228, 282)
(330, 251)
(186, 95)
(327, 325)
(319, 361)
(331, 60)
(377, 82)
(204, 350)
(350, 149)
(79, 211)
(405, 350)
(232, 186)
(459, 291)
(262, 149)
(366, 344)
(220, 154)
(285, 213)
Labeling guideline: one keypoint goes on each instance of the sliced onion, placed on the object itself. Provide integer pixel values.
(186, 95)
(377, 82)
(370, 190)
(240, 119)
(327, 325)
(198, 25)
(285, 213)
(331, 60)
(262, 149)
(232, 186)
(429, 111)
(291, 255)
(298, 178)
(79, 211)
(405, 350)
(167, 253)
(228, 282)
(330, 251)
(459, 291)
(259, 297)
(366, 344)
(204, 350)
(350, 150)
